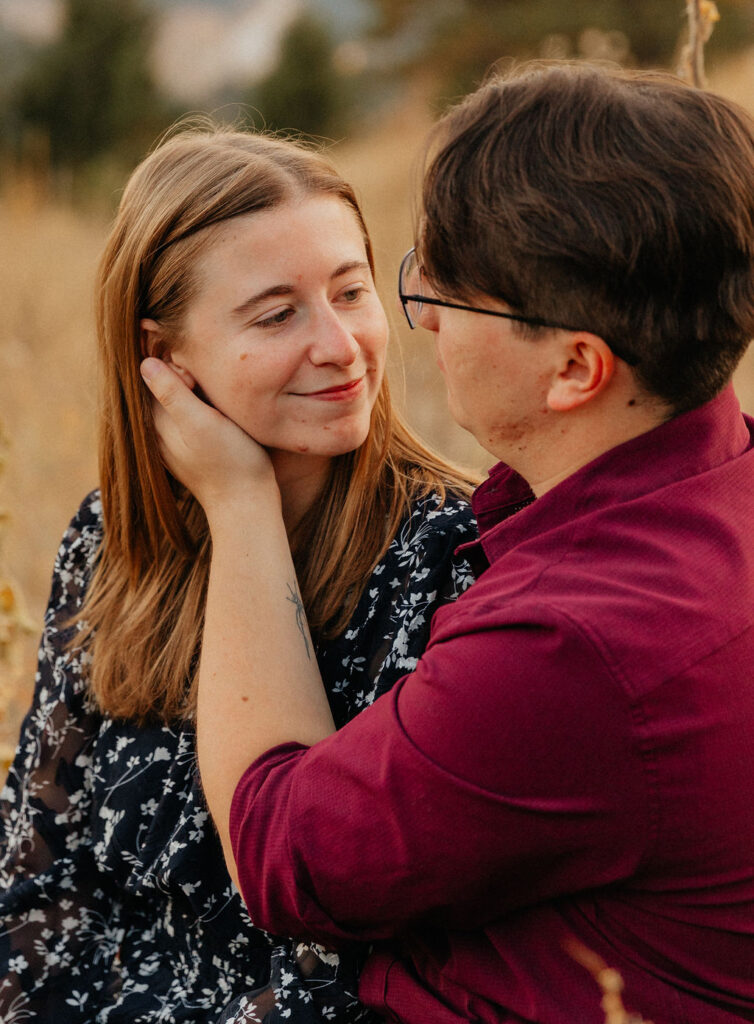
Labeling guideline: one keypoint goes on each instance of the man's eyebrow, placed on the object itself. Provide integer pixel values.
(287, 289)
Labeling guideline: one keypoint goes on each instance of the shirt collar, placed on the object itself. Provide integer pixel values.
(684, 446)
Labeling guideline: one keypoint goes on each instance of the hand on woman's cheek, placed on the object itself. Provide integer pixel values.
(203, 449)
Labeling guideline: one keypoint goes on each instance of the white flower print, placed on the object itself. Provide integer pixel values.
(115, 903)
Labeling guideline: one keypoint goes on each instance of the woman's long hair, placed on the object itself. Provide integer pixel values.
(143, 614)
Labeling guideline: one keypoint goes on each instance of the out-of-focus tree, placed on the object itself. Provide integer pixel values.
(305, 92)
(91, 91)
(13, 53)
(467, 38)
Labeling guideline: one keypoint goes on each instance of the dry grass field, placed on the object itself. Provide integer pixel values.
(48, 256)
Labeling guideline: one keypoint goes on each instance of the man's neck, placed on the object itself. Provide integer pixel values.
(569, 441)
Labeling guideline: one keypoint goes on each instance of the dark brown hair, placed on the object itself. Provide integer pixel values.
(618, 201)
(143, 613)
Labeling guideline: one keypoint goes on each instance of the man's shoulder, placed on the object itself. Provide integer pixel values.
(655, 584)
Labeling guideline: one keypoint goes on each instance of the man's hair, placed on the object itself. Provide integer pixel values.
(618, 201)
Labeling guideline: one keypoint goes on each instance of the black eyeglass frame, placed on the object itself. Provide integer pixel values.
(535, 321)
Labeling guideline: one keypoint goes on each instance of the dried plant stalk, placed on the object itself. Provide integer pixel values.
(609, 981)
(14, 622)
(702, 16)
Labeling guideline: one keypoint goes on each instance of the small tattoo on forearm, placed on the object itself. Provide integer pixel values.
(295, 599)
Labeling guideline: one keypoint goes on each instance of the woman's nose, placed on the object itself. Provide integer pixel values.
(332, 342)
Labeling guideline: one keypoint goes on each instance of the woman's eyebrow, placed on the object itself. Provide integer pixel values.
(287, 289)
(246, 307)
(350, 265)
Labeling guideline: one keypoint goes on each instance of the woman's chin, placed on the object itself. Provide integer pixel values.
(323, 442)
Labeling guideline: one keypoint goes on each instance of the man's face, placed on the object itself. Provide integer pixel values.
(497, 378)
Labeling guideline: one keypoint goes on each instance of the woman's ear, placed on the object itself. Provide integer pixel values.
(152, 339)
(154, 343)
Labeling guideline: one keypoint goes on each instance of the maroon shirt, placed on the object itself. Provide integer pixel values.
(573, 757)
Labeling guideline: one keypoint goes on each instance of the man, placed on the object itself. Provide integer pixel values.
(571, 765)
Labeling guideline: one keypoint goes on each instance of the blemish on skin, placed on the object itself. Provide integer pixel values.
(632, 401)
(303, 447)
(244, 698)
(243, 355)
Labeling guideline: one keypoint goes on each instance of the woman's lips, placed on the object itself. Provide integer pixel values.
(337, 393)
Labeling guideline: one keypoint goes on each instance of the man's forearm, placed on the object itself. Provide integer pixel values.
(259, 683)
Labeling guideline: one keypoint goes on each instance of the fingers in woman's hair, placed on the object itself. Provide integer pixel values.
(168, 434)
(165, 385)
(162, 420)
(180, 417)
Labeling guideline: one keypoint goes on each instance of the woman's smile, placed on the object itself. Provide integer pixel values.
(337, 392)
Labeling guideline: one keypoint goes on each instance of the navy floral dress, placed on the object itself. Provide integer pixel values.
(115, 903)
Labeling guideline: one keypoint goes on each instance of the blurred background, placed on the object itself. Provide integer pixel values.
(86, 86)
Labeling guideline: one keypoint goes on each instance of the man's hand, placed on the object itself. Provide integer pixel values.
(203, 449)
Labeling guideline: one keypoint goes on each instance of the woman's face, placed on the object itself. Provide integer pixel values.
(286, 334)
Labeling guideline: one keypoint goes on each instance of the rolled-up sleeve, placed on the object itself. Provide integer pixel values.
(506, 770)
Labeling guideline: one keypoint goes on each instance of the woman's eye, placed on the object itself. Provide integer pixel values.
(353, 294)
(276, 319)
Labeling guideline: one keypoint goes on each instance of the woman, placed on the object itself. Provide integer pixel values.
(244, 263)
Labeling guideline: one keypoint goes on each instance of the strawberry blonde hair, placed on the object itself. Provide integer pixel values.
(143, 613)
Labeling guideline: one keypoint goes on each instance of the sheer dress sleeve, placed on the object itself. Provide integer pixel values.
(59, 930)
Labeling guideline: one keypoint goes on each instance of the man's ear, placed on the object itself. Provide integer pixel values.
(154, 343)
(587, 368)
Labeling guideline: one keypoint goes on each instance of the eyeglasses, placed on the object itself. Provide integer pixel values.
(412, 300)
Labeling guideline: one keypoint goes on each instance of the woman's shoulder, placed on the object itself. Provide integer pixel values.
(420, 571)
(435, 520)
(423, 553)
(88, 517)
(77, 554)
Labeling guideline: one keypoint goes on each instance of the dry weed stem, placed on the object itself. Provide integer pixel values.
(702, 16)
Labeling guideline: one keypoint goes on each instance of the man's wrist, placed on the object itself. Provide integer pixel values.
(251, 503)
